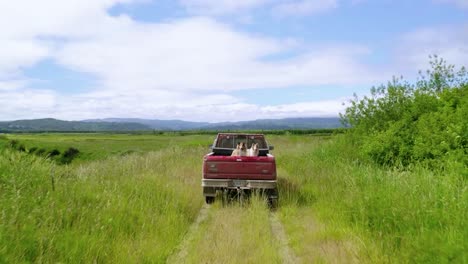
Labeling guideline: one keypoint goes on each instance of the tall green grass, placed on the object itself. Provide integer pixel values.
(413, 215)
(130, 209)
(137, 208)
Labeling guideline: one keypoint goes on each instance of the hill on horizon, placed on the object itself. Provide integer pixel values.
(55, 125)
(137, 124)
(286, 123)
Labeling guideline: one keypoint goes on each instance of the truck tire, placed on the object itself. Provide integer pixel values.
(273, 199)
(273, 203)
(209, 199)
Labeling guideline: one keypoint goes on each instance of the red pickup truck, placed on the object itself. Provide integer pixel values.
(239, 174)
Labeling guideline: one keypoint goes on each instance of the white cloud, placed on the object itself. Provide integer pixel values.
(25, 25)
(213, 108)
(304, 7)
(26, 103)
(191, 54)
(306, 109)
(169, 105)
(178, 69)
(25, 18)
(12, 85)
(450, 43)
(199, 54)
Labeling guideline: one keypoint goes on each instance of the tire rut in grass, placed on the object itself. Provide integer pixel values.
(277, 228)
(182, 252)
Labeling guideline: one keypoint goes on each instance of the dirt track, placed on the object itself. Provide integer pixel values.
(181, 254)
(277, 229)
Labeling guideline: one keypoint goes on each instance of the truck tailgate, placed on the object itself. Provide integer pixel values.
(232, 167)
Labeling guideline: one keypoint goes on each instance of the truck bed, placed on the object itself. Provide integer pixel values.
(239, 167)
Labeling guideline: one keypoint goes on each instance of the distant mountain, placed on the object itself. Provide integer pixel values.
(50, 124)
(287, 123)
(136, 124)
(156, 123)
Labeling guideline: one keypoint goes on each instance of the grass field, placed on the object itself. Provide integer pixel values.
(133, 198)
(93, 146)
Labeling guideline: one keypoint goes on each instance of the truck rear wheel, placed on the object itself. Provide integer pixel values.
(273, 198)
(209, 199)
(273, 203)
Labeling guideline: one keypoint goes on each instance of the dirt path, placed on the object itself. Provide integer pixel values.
(277, 230)
(286, 253)
(181, 254)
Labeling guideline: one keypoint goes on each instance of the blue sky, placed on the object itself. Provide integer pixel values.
(224, 60)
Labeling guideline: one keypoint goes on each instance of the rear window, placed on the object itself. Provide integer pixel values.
(226, 142)
(230, 141)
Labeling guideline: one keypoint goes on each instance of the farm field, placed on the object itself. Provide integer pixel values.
(137, 198)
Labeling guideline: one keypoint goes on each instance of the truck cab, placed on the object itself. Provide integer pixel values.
(242, 174)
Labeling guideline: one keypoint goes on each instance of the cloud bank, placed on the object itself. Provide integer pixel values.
(185, 68)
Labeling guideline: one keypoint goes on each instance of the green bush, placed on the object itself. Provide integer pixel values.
(32, 150)
(21, 148)
(52, 153)
(68, 155)
(40, 152)
(415, 215)
(13, 143)
(403, 123)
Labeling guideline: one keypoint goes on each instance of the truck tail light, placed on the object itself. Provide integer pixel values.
(212, 167)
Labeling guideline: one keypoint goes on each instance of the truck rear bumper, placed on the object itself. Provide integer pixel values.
(211, 185)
